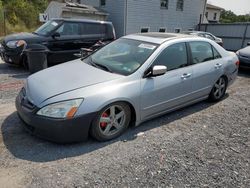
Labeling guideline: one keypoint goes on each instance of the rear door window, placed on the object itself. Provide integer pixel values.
(201, 52)
(216, 54)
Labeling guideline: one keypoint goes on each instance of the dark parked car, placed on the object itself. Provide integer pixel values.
(244, 56)
(205, 35)
(63, 37)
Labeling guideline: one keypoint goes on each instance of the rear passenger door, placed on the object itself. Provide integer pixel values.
(91, 33)
(207, 67)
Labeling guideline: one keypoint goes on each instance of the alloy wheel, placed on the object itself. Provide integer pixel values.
(112, 120)
(219, 88)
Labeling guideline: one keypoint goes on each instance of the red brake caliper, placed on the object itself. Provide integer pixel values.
(104, 124)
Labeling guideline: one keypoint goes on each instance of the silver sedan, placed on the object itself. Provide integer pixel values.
(129, 81)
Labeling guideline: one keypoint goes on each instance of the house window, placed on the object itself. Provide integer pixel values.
(215, 16)
(162, 29)
(179, 5)
(103, 3)
(206, 14)
(164, 4)
(177, 30)
(144, 29)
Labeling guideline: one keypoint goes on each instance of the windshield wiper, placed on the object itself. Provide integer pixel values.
(103, 67)
(91, 62)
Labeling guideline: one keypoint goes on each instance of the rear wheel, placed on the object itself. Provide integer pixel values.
(111, 122)
(219, 89)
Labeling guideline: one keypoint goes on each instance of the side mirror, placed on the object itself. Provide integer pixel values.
(248, 44)
(156, 70)
(55, 35)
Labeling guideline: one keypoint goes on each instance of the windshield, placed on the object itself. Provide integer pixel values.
(48, 27)
(123, 56)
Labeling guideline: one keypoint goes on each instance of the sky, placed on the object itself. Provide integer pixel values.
(237, 6)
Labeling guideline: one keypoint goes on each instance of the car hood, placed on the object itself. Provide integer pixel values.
(22, 36)
(64, 78)
(245, 51)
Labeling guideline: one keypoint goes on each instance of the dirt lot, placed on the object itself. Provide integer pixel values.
(205, 145)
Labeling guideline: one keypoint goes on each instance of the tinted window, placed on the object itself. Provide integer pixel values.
(92, 28)
(174, 56)
(201, 52)
(216, 54)
(69, 28)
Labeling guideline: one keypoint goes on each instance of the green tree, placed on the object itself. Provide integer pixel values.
(24, 11)
(228, 16)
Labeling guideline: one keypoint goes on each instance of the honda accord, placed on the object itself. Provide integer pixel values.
(129, 81)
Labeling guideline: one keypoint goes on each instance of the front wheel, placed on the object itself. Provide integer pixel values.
(219, 90)
(111, 121)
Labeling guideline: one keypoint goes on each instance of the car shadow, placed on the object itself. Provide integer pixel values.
(244, 72)
(14, 71)
(27, 147)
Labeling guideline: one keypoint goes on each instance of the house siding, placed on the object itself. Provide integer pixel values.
(211, 15)
(148, 13)
(129, 16)
(115, 9)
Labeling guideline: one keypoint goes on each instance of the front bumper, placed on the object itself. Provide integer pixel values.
(11, 56)
(56, 130)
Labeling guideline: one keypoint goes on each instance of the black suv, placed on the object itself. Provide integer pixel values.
(63, 37)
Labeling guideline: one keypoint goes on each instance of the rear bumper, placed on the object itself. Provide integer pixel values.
(232, 76)
(56, 130)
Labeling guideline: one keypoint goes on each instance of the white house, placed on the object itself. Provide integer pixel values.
(132, 16)
(212, 14)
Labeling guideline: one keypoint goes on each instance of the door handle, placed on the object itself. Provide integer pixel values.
(218, 65)
(186, 75)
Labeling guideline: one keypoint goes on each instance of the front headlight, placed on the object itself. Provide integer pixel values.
(65, 109)
(237, 53)
(16, 43)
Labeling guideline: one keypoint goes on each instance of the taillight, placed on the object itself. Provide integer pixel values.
(237, 63)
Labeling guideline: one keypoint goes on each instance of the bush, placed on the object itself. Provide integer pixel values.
(21, 15)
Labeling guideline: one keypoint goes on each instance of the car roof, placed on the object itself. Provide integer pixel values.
(194, 32)
(81, 20)
(157, 37)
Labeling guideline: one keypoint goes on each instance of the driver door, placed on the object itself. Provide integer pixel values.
(173, 89)
(63, 47)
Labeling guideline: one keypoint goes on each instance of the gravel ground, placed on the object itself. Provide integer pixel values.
(204, 145)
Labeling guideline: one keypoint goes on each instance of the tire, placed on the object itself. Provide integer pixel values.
(219, 90)
(111, 122)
